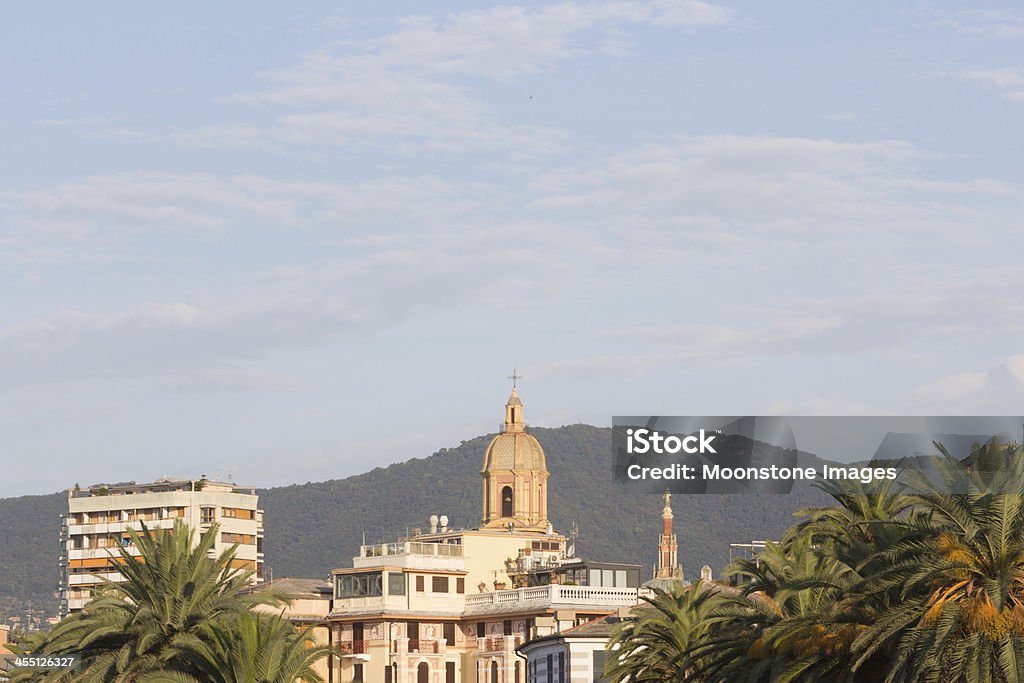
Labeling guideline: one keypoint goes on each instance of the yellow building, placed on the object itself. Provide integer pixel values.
(100, 516)
(451, 606)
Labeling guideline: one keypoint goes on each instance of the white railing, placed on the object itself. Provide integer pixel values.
(411, 548)
(597, 596)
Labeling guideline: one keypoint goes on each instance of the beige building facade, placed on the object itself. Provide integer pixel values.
(99, 518)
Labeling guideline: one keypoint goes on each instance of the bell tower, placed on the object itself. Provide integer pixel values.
(515, 474)
(668, 548)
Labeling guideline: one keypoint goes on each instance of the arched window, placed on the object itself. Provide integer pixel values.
(423, 673)
(494, 672)
(506, 502)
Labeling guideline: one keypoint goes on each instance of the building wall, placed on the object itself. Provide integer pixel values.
(577, 654)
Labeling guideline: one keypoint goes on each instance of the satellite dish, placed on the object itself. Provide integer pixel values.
(571, 551)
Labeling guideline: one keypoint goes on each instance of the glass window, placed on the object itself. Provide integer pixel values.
(460, 585)
(439, 584)
(396, 583)
(358, 585)
(620, 578)
(595, 577)
(607, 577)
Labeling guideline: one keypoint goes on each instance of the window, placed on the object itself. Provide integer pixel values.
(238, 513)
(206, 515)
(419, 584)
(448, 629)
(507, 627)
(439, 584)
(357, 673)
(506, 502)
(494, 671)
(396, 583)
(242, 539)
(358, 585)
(387, 674)
(481, 629)
(460, 585)
(517, 677)
(600, 657)
(551, 669)
(561, 667)
(449, 672)
(423, 673)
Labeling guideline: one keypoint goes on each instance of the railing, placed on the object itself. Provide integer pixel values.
(498, 643)
(555, 594)
(355, 647)
(411, 548)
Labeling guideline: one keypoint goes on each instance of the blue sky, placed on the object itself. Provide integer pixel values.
(294, 245)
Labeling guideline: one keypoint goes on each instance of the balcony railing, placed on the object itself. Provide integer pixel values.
(590, 596)
(354, 647)
(498, 643)
(411, 548)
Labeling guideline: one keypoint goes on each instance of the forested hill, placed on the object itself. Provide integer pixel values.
(313, 527)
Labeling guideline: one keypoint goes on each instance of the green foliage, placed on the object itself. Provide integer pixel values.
(177, 615)
(255, 648)
(891, 583)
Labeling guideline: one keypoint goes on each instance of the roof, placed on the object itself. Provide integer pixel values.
(595, 628)
(300, 588)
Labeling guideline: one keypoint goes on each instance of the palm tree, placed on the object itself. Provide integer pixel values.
(651, 646)
(960, 574)
(255, 648)
(171, 593)
(784, 624)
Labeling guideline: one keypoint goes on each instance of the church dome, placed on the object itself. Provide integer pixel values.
(515, 475)
(514, 451)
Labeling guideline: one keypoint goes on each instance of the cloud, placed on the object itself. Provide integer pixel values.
(704, 192)
(413, 86)
(118, 211)
(995, 391)
(338, 261)
(994, 23)
(1009, 81)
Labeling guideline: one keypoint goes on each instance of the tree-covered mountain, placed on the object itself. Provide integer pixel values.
(314, 527)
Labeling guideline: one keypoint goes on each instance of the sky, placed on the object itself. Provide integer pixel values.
(280, 244)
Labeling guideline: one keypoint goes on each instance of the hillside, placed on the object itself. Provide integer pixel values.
(313, 527)
(614, 525)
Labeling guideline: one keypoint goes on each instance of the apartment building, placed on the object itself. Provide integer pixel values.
(99, 519)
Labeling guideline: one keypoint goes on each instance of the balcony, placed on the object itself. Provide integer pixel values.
(499, 643)
(355, 647)
(555, 595)
(420, 645)
(411, 548)
(413, 555)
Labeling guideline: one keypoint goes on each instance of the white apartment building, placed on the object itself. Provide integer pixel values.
(99, 518)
